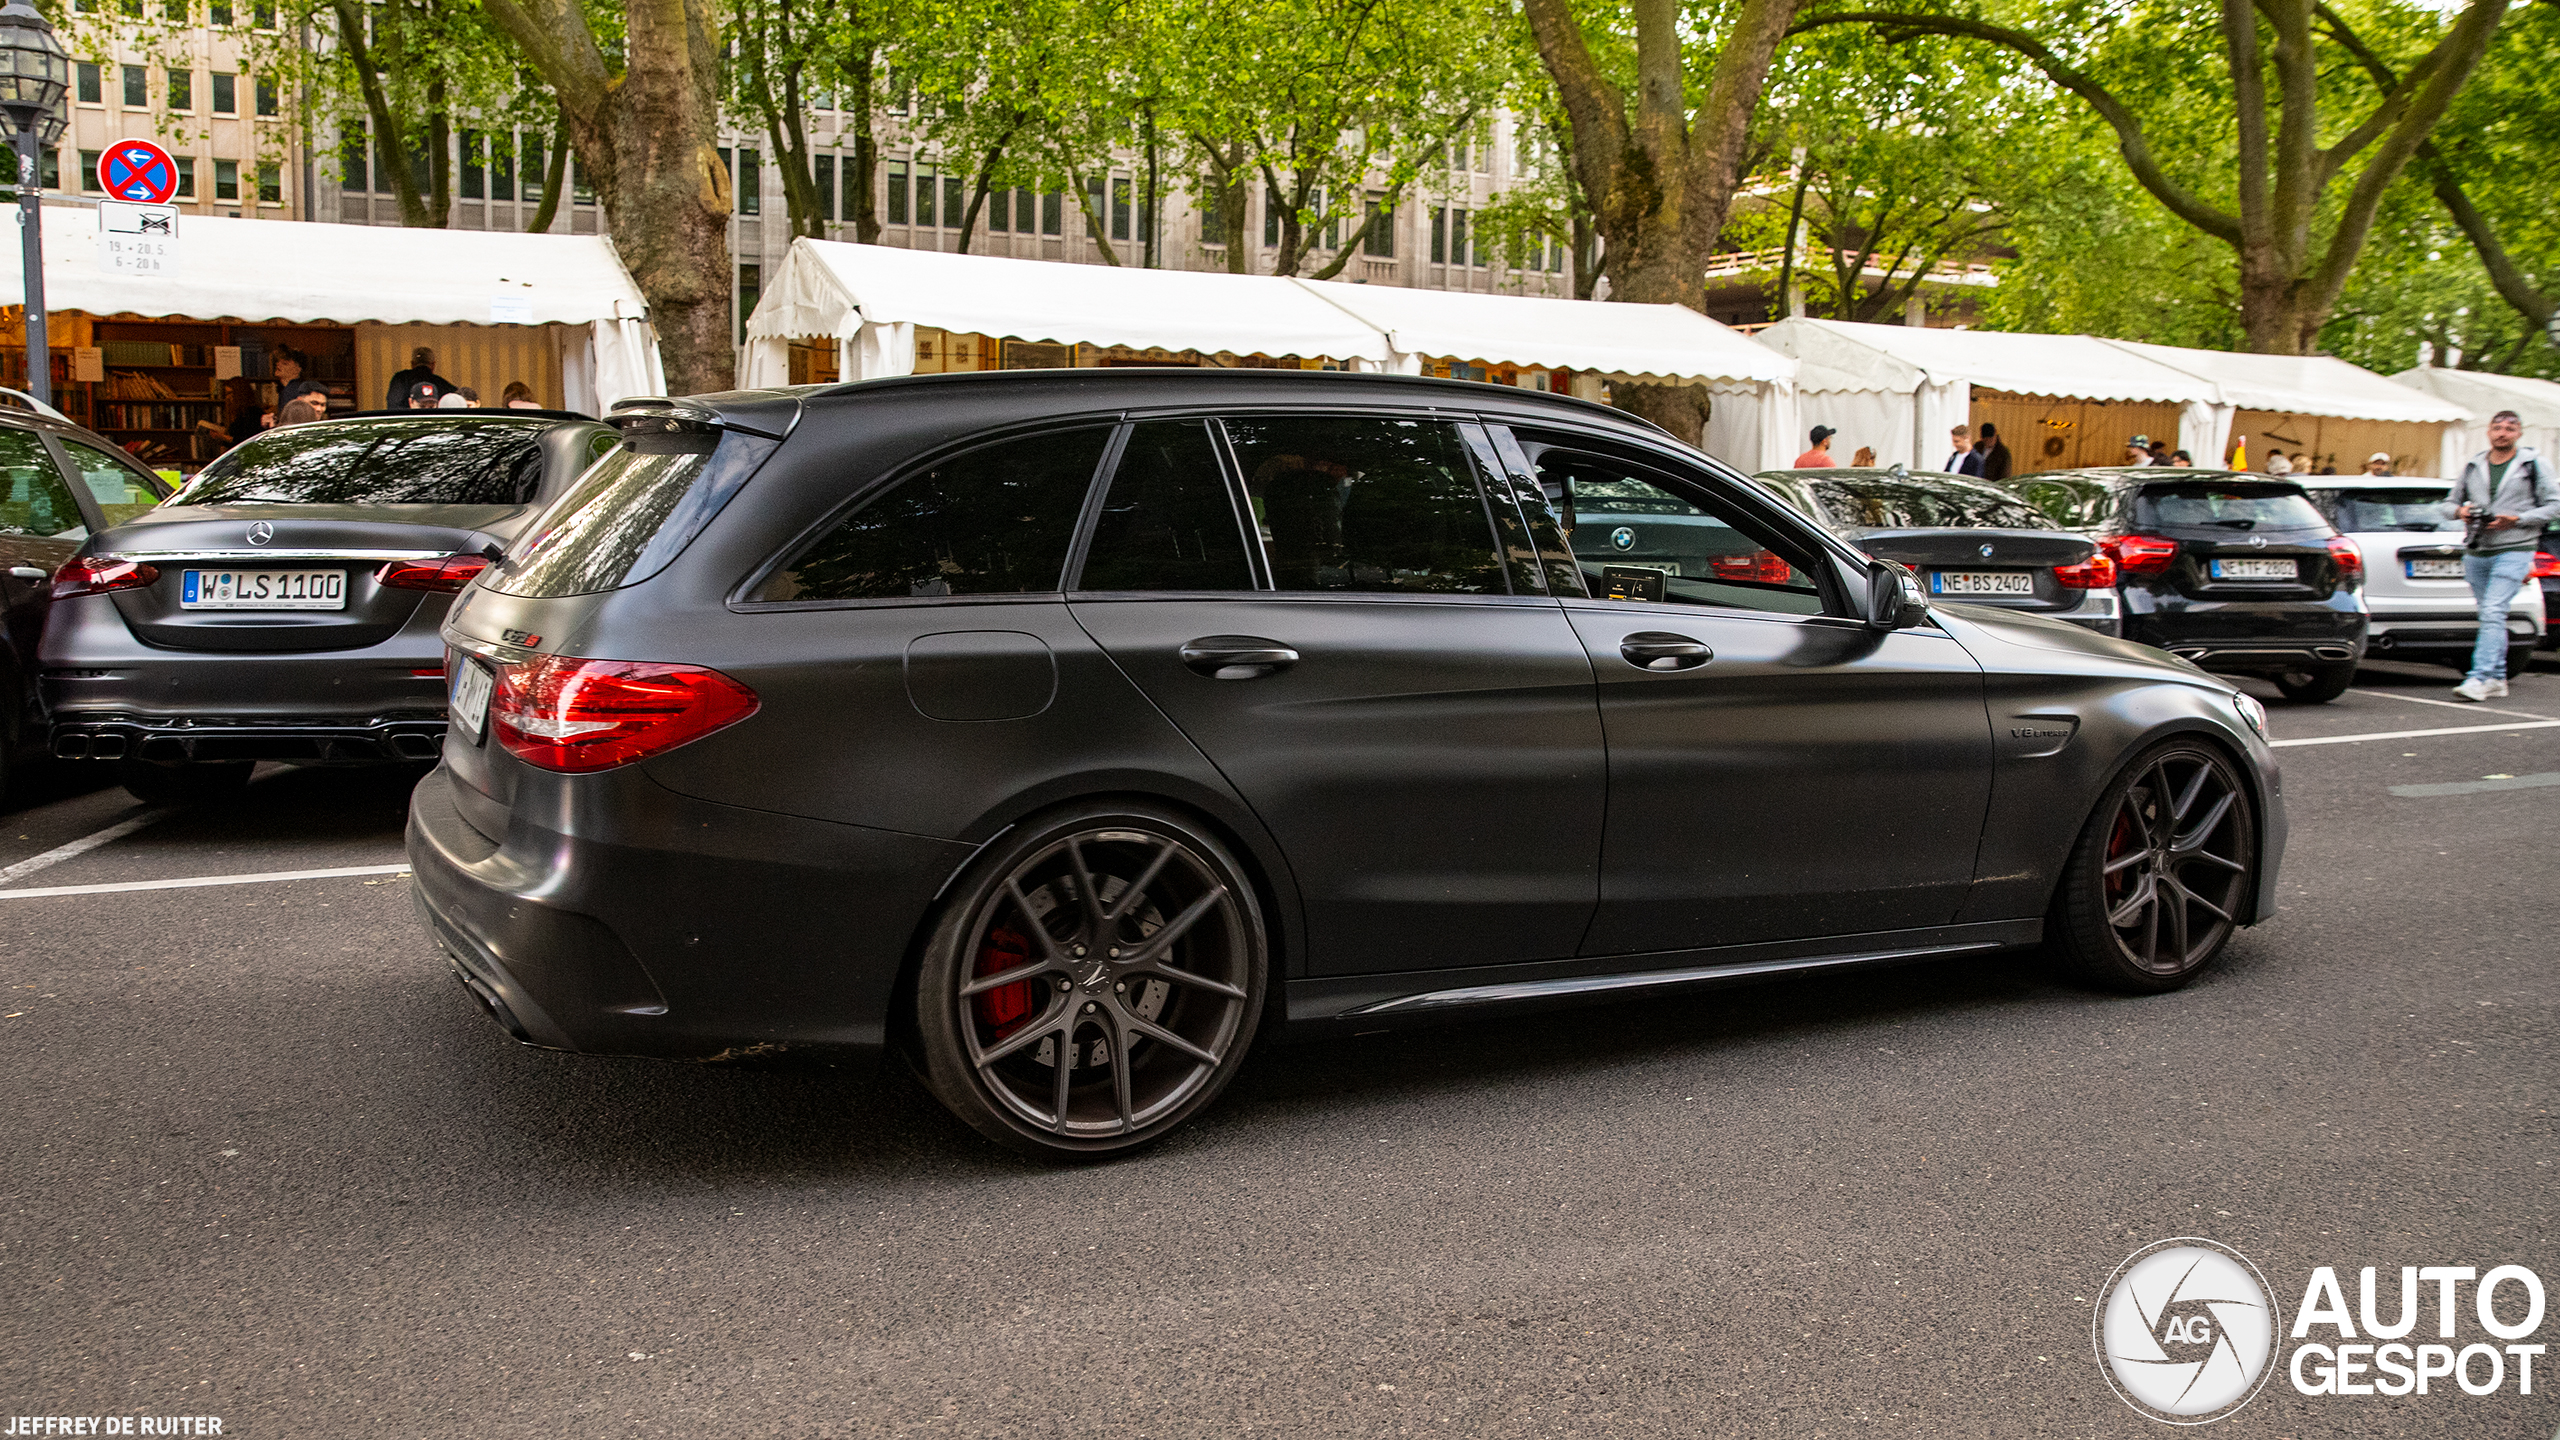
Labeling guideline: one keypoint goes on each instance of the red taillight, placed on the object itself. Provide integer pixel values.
(561, 713)
(2350, 560)
(2546, 566)
(2140, 554)
(2098, 572)
(98, 574)
(1761, 566)
(445, 574)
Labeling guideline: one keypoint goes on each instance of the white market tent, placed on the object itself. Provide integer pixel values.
(564, 298)
(2059, 400)
(2536, 403)
(873, 300)
(2323, 407)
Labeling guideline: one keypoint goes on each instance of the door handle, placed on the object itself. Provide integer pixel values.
(1662, 650)
(27, 572)
(1237, 657)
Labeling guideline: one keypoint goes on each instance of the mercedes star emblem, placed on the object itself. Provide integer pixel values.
(261, 532)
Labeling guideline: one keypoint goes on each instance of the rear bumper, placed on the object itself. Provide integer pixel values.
(378, 740)
(2254, 639)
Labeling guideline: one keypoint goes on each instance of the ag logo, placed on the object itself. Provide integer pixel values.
(2185, 1330)
(1624, 537)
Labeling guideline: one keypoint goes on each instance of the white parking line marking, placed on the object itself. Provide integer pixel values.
(194, 881)
(83, 845)
(2391, 735)
(2474, 787)
(2448, 704)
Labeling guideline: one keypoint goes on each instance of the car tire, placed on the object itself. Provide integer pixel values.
(1141, 964)
(184, 784)
(2316, 685)
(2162, 873)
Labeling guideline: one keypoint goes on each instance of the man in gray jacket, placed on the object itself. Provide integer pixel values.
(2511, 494)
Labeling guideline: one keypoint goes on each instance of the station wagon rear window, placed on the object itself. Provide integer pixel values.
(392, 462)
(631, 513)
(2416, 508)
(2241, 507)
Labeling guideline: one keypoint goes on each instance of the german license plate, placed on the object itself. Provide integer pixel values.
(2438, 569)
(2256, 570)
(262, 590)
(1981, 582)
(470, 699)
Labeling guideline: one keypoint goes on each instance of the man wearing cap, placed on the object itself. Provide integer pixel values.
(2378, 464)
(2512, 494)
(1995, 454)
(2137, 451)
(1820, 455)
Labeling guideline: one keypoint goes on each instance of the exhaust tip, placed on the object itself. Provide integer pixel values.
(417, 747)
(2333, 652)
(106, 747)
(71, 747)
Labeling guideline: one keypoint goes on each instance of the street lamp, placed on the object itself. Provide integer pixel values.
(35, 73)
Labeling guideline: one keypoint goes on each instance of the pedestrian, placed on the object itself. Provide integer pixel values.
(421, 371)
(425, 396)
(2378, 463)
(2182, 460)
(2159, 452)
(302, 409)
(287, 363)
(1865, 458)
(1819, 456)
(2137, 451)
(2301, 463)
(1995, 454)
(460, 397)
(1963, 461)
(518, 396)
(2277, 464)
(2506, 494)
(249, 415)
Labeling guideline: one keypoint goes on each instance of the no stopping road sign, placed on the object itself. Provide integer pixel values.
(138, 171)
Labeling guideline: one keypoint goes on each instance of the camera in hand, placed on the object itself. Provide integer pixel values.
(2475, 527)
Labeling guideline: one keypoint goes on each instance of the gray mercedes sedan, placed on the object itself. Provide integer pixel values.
(285, 604)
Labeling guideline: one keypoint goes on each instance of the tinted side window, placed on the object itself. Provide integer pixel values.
(1167, 523)
(36, 501)
(121, 492)
(1357, 504)
(1634, 523)
(991, 521)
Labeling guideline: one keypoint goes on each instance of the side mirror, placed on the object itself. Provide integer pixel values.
(1893, 597)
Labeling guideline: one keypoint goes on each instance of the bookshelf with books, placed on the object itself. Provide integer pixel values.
(173, 388)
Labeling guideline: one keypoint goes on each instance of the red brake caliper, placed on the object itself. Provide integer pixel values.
(2121, 840)
(1006, 1006)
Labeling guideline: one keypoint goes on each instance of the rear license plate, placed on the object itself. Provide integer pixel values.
(2256, 570)
(2435, 569)
(470, 700)
(1981, 582)
(262, 590)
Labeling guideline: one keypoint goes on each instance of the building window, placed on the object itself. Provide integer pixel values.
(502, 167)
(226, 94)
(534, 174)
(1381, 220)
(898, 192)
(266, 96)
(137, 87)
(475, 179)
(1026, 210)
(924, 199)
(999, 211)
(186, 176)
(226, 179)
(263, 15)
(750, 290)
(1213, 217)
(823, 171)
(1053, 213)
(174, 11)
(955, 203)
(182, 89)
(750, 182)
(219, 14)
(1439, 236)
(90, 90)
(49, 177)
(1119, 209)
(352, 171)
(580, 192)
(1270, 217)
(270, 183)
(89, 171)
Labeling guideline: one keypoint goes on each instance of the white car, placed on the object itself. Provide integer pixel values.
(2422, 607)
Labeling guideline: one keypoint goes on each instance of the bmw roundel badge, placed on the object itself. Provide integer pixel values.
(1986, 552)
(1624, 537)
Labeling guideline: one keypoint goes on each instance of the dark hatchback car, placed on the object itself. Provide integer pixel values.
(1068, 729)
(284, 605)
(64, 485)
(1967, 541)
(2238, 573)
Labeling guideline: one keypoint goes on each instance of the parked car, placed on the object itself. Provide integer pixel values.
(2422, 606)
(2238, 573)
(65, 483)
(284, 604)
(1966, 540)
(1069, 729)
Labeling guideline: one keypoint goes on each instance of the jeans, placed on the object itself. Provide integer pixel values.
(2495, 579)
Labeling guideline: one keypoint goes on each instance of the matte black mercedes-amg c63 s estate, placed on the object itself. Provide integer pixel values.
(1067, 729)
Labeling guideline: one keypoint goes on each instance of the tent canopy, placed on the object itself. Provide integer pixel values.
(2536, 403)
(1845, 355)
(2301, 385)
(833, 288)
(1657, 342)
(269, 270)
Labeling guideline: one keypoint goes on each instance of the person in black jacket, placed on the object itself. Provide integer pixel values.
(421, 371)
(287, 363)
(1995, 454)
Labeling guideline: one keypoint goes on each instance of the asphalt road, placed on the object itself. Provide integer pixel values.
(264, 1162)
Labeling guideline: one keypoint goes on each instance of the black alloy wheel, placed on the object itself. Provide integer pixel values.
(1095, 982)
(2162, 872)
(2316, 684)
